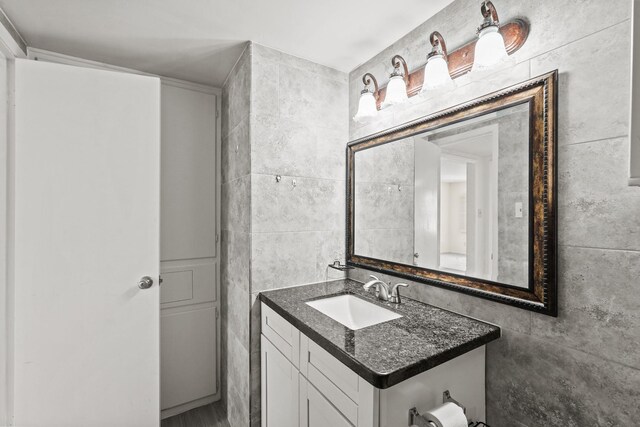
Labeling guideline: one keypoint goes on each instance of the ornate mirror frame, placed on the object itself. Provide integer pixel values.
(541, 295)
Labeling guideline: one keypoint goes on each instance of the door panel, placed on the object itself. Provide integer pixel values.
(280, 390)
(188, 174)
(188, 347)
(188, 283)
(87, 183)
(316, 410)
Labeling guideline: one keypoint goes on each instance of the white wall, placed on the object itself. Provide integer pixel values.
(11, 46)
(4, 102)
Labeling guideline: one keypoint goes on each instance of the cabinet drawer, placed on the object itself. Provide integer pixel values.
(314, 358)
(282, 334)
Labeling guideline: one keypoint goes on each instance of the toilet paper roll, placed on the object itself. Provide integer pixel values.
(447, 415)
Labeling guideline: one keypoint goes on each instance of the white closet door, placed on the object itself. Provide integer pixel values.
(87, 183)
(188, 248)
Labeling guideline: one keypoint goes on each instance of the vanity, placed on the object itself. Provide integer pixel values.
(318, 372)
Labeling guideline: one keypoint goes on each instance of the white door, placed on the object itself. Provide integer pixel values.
(87, 172)
(471, 215)
(427, 212)
(279, 388)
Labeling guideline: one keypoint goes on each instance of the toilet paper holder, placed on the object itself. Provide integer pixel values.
(416, 419)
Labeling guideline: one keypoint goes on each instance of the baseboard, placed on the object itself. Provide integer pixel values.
(170, 412)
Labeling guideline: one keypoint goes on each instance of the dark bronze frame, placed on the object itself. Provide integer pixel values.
(541, 295)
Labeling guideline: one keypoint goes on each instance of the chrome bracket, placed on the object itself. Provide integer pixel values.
(415, 419)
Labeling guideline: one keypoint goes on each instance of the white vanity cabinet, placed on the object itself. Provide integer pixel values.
(303, 385)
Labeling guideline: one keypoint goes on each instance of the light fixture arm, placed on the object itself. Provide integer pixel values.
(489, 13)
(398, 61)
(367, 79)
(437, 41)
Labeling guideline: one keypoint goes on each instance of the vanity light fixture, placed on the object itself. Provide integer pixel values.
(367, 106)
(493, 44)
(490, 49)
(436, 71)
(398, 83)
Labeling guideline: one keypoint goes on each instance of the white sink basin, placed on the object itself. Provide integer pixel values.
(353, 312)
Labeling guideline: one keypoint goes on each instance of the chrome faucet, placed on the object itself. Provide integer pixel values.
(382, 290)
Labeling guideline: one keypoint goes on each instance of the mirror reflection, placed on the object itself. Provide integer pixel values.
(453, 199)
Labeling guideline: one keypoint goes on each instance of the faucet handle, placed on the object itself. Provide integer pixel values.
(371, 282)
(395, 292)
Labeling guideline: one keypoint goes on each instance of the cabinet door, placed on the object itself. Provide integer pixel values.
(316, 410)
(190, 375)
(280, 388)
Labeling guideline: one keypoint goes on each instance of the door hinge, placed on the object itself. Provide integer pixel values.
(217, 313)
(217, 113)
(217, 238)
(217, 385)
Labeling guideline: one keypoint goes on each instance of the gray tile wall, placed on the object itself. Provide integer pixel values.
(513, 185)
(299, 131)
(282, 116)
(582, 368)
(236, 241)
(384, 202)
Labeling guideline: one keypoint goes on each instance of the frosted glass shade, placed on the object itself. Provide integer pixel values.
(490, 49)
(366, 107)
(436, 74)
(396, 91)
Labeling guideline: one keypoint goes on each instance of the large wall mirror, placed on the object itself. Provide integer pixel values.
(463, 199)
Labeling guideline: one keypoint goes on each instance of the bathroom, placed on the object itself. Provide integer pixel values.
(266, 182)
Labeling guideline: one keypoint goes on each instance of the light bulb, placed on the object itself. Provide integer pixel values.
(436, 74)
(396, 91)
(367, 107)
(490, 49)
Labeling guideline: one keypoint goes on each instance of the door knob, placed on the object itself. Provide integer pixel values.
(145, 283)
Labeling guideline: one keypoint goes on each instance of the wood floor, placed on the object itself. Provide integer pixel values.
(205, 416)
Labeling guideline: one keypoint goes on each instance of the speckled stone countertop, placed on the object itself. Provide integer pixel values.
(387, 353)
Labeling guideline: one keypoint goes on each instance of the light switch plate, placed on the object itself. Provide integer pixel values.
(518, 209)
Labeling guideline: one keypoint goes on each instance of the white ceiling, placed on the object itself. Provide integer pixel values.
(200, 40)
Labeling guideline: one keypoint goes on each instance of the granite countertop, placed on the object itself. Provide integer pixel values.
(387, 353)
